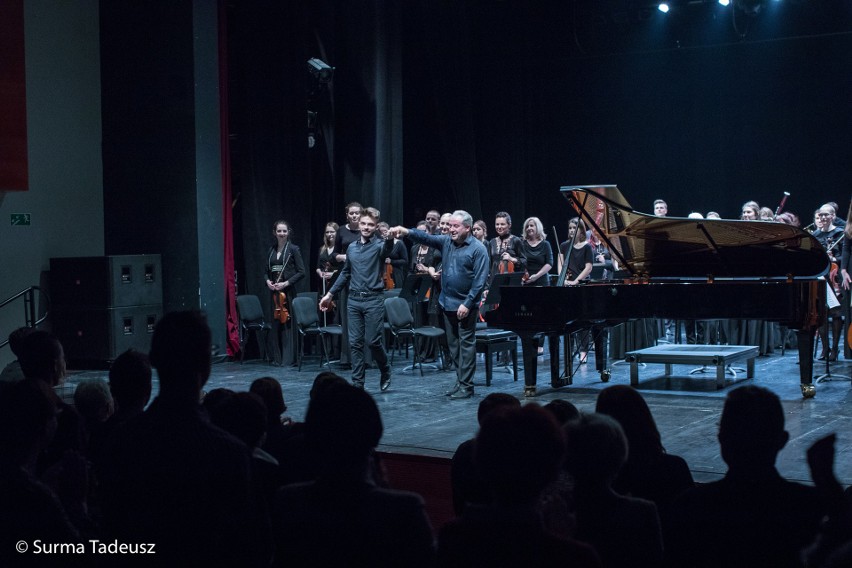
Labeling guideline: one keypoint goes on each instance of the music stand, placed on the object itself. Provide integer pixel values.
(415, 287)
(493, 297)
(414, 290)
(505, 279)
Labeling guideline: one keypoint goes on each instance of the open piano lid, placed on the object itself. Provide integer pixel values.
(686, 249)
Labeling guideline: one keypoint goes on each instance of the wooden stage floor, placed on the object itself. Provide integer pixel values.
(419, 419)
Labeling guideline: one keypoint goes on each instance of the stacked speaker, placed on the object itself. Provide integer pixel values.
(103, 305)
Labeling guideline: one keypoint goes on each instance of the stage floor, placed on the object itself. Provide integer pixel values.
(419, 419)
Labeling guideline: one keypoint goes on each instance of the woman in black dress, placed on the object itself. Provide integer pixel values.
(284, 268)
(538, 252)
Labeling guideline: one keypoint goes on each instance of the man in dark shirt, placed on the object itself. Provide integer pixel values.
(362, 277)
(463, 275)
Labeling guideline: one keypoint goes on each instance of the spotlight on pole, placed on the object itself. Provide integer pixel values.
(321, 70)
(663, 7)
(725, 2)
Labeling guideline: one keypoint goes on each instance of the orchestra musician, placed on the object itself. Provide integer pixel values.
(538, 253)
(346, 235)
(328, 268)
(327, 264)
(750, 211)
(506, 249)
(427, 260)
(398, 259)
(432, 219)
(579, 259)
(832, 238)
(284, 268)
(581, 255)
(480, 232)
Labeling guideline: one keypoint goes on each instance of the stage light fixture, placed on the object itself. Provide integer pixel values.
(321, 70)
(663, 7)
(725, 2)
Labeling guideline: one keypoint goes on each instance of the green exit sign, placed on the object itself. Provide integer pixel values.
(21, 219)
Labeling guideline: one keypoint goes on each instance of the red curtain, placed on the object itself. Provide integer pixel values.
(232, 339)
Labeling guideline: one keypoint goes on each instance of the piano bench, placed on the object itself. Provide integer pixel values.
(717, 355)
(490, 341)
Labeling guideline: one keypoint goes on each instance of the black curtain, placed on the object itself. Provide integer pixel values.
(358, 128)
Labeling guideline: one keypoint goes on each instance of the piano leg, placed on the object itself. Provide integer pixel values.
(805, 341)
(529, 347)
(556, 379)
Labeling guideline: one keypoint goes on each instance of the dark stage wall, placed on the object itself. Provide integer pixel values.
(705, 127)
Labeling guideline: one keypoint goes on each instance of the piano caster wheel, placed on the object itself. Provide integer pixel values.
(529, 391)
(808, 391)
(606, 374)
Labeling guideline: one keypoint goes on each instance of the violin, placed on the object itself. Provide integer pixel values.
(505, 266)
(832, 274)
(280, 313)
(387, 277)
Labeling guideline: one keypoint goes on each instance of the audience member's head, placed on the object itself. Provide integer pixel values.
(181, 353)
(495, 401)
(342, 427)
(27, 421)
(215, 398)
(242, 414)
(324, 380)
(42, 358)
(563, 410)
(93, 401)
(596, 449)
(269, 391)
(751, 430)
(16, 339)
(518, 452)
(626, 405)
(130, 381)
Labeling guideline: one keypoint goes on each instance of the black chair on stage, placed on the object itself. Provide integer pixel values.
(304, 310)
(401, 323)
(251, 321)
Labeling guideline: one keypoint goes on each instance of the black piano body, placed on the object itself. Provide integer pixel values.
(677, 269)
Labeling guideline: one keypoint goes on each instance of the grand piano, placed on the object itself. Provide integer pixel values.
(676, 268)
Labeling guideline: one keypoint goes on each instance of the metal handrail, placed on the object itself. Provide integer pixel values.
(29, 307)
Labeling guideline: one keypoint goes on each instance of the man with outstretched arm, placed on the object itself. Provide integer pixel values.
(463, 276)
(362, 277)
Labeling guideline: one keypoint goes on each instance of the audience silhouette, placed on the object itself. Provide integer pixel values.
(468, 484)
(343, 518)
(12, 372)
(649, 473)
(752, 517)
(29, 510)
(230, 481)
(170, 477)
(625, 531)
(518, 452)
